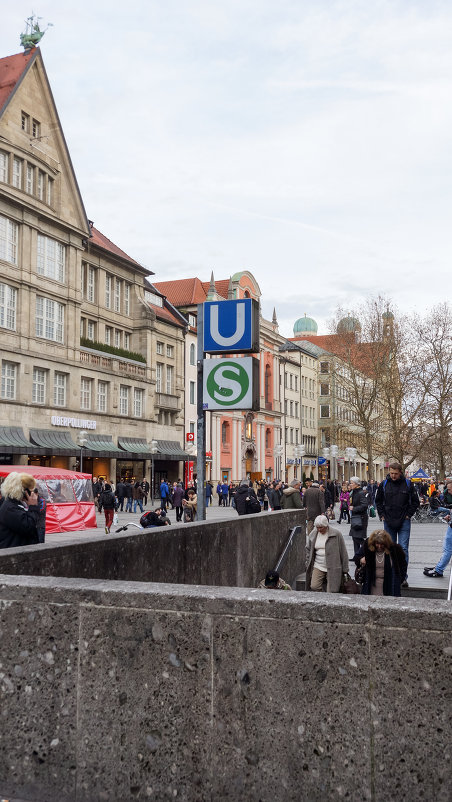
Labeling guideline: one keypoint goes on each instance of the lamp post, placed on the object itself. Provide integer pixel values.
(300, 451)
(82, 440)
(278, 452)
(153, 448)
(351, 454)
(334, 452)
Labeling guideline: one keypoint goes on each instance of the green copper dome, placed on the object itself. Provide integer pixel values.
(348, 324)
(305, 325)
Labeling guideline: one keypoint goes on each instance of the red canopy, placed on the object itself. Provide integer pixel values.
(69, 496)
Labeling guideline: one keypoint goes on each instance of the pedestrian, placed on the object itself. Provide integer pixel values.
(209, 491)
(219, 494)
(178, 496)
(128, 495)
(108, 502)
(397, 501)
(327, 558)
(344, 504)
(435, 505)
(274, 494)
(190, 506)
(314, 501)
(120, 493)
(145, 486)
(246, 501)
(438, 570)
(164, 494)
(384, 562)
(291, 498)
(224, 494)
(447, 494)
(359, 513)
(19, 511)
(137, 495)
(273, 581)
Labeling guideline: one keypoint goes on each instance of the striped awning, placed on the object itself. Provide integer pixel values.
(13, 441)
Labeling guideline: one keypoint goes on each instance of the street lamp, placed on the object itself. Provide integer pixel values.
(278, 452)
(299, 452)
(82, 439)
(334, 451)
(351, 454)
(153, 448)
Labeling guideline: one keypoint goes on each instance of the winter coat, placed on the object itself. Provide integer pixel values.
(358, 500)
(344, 499)
(137, 493)
(120, 490)
(336, 559)
(18, 525)
(164, 490)
(314, 501)
(291, 499)
(396, 501)
(178, 495)
(127, 490)
(274, 498)
(242, 493)
(395, 569)
(107, 499)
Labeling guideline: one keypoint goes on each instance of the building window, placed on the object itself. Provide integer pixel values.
(59, 389)
(8, 304)
(291, 409)
(82, 326)
(108, 331)
(290, 381)
(117, 297)
(249, 427)
(117, 338)
(192, 321)
(49, 319)
(192, 354)
(102, 391)
(127, 340)
(90, 284)
(296, 383)
(170, 351)
(85, 393)
(30, 179)
(41, 184)
(192, 392)
(225, 433)
(51, 258)
(17, 172)
(4, 165)
(158, 377)
(36, 129)
(123, 400)
(324, 367)
(25, 122)
(9, 380)
(268, 438)
(325, 411)
(108, 292)
(169, 378)
(39, 386)
(191, 428)
(268, 392)
(91, 330)
(138, 398)
(8, 240)
(159, 348)
(49, 191)
(324, 389)
(127, 299)
(296, 409)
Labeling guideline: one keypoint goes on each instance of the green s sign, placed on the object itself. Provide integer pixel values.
(229, 383)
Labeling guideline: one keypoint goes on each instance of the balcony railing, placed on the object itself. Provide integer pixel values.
(167, 401)
(97, 360)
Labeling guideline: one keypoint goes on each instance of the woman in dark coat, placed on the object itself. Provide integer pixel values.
(19, 511)
(385, 565)
(359, 513)
(243, 495)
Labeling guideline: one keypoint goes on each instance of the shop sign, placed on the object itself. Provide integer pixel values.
(310, 462)
(208, 456)
(322, 460)
(231, 383)
(76, 423)
(231, 327)
(189, 471)
(190, 437)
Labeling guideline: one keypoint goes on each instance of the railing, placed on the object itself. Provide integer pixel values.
(167, 401)
(297, 530)
(106, 362)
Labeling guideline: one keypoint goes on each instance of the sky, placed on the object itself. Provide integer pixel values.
(305, 141)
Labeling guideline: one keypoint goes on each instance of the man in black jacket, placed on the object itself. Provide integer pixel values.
(358, 509)
(246, 500)
(397, 501)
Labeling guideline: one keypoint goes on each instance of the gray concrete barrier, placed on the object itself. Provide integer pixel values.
(134, 691)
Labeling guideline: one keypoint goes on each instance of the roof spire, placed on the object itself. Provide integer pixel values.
(275, 320)
(212, 292)
(230, 290)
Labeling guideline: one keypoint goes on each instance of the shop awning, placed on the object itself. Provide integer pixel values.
(135, 445)
(54, 442)
(13, 441)
(101, 445)
(171, 450)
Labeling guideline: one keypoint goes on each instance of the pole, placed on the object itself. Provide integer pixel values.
(81, 459)
(152, 480)
(201, 427)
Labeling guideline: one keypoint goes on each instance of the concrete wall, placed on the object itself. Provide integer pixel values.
(236, 554)
(134, 691)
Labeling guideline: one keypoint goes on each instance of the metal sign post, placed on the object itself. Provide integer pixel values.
(201, 428)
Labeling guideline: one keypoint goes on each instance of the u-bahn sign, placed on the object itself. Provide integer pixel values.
(231, 327)
(231, 383)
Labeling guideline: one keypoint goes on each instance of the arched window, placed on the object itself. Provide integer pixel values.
(192, 354)
(225, 433)
(268, 385)
(268, 438)
(249, 427)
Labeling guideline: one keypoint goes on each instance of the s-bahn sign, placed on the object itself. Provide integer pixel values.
(231, 383)
(231, 327)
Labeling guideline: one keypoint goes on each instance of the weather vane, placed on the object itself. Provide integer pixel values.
(33, 33)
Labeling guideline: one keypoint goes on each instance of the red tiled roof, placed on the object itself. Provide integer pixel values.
(364, 356)
(103, 242)
(189, 291)
(11, 70)
(165, 314)
(221, 287)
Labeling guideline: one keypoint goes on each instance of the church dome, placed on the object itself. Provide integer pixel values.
(388, 315)
(305, 325)
(348, 324)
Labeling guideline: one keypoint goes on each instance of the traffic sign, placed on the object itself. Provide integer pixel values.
(231, 383)
(231, 327)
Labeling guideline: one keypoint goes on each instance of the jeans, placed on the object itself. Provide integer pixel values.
(403, 532)
(129, 505)
(447, 551)
(137, 501)
(439, 511)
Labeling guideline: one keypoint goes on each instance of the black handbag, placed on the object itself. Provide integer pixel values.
(360, 574)
(349, 586)
(356, 522)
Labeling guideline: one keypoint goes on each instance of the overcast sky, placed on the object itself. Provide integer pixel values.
(308, 141)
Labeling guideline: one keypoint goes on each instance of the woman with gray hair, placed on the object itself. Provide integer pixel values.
(327, 558)
(19, 511)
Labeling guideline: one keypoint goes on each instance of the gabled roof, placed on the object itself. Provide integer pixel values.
(364, 356)
(190, 291)
(12, 70)
(99, 239)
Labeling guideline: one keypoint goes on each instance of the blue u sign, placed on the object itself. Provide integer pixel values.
(230, 326)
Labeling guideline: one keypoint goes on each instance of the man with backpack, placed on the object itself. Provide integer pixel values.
(397, 501)
(246, 501)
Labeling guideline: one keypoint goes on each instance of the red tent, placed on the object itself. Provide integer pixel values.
(69, 496)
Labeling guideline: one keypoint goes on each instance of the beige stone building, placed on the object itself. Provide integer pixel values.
(299, 389)
(87, 343)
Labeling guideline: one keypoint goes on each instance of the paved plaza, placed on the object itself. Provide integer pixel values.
(425, 542)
